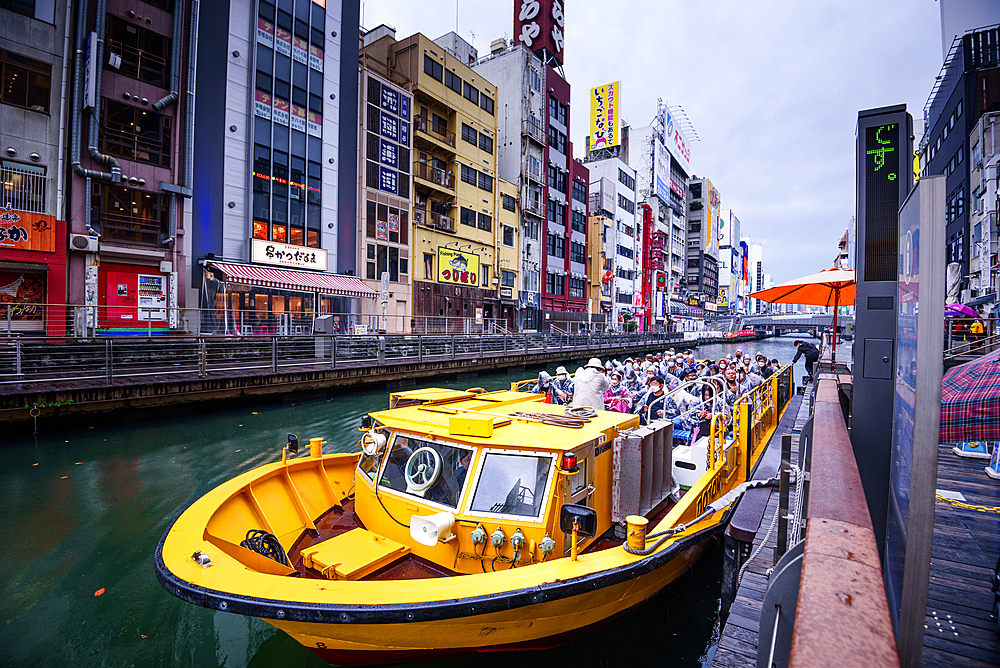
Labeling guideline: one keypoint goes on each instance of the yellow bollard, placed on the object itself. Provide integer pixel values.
(636, 535)
(316, 447)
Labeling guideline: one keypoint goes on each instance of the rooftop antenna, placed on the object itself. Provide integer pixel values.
(456, 17)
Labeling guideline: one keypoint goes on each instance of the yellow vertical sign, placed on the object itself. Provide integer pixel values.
(604, 105)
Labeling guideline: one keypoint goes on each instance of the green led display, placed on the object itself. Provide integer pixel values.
(882, 169)
(886, 139)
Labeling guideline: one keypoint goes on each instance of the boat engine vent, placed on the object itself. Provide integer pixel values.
(642, 466)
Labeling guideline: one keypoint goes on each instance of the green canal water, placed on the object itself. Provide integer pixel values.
(83, 509)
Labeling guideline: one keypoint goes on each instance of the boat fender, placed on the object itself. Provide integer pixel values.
(498, 538)
(547, 545)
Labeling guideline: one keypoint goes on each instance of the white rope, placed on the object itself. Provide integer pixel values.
(796, 516)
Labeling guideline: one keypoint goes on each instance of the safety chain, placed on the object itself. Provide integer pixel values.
(969, 506)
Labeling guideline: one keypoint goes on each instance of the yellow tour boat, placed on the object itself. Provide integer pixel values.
(469, 521)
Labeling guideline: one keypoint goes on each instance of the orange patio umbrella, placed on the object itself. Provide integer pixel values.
(830, 287)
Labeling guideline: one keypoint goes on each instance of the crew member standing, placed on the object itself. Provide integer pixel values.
(810, 352)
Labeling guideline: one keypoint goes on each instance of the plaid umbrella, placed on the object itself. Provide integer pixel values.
(970, 401)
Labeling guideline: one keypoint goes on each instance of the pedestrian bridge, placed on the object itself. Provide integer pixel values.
(779, 324)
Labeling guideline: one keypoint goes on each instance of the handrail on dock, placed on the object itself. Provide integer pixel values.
(842, 610)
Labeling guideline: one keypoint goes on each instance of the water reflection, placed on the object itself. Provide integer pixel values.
(83, 510)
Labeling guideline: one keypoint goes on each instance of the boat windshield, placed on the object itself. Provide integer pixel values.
(512, 484)
(426, 469)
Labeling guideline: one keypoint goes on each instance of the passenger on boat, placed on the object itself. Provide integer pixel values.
(562, 387)
(713, 403)
(616, 397)
(732, 390)
(544, 386)
(590, 383)
(654, 404)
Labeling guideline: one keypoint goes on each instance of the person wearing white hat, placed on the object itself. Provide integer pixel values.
(590, 383)
(562, 386)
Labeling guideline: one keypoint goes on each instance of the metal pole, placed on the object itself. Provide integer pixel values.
(202, 358)
(8, 319)
(420, 348)
(108, 353)
(333, 355)
(786, 459)
(17, 346)
(274, 354)
(149, 323)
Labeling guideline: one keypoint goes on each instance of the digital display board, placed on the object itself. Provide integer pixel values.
(882, 174)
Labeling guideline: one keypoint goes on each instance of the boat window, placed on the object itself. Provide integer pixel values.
(429, 470)
(369, 465)
(512, 484)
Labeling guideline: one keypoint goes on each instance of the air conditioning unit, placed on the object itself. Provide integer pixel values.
(82, 242)
(966, 295)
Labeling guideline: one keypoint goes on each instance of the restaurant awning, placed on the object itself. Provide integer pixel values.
(289, 279)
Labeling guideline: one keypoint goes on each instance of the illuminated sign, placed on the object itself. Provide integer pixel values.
(677, 143)
(604, 106)
(287, 255)
(882, 163)
(457, 267)
(540, 25)
(27, 231)
(662, 173)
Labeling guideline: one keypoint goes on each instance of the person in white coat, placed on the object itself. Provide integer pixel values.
(590, 383)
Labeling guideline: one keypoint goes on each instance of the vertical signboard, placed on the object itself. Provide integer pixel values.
(916, 412)
(540, 26)
(884, 138)
(662, 173)
(90, 72)
(604, 106)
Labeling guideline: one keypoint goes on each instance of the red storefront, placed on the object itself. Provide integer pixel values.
(132, 299)
(32, 274)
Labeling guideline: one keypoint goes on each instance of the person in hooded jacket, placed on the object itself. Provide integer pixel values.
(590, 383)
(544, 386)
(616, 397)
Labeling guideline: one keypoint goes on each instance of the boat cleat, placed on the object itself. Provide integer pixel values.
(498, 538)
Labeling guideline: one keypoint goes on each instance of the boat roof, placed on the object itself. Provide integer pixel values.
(433, 417)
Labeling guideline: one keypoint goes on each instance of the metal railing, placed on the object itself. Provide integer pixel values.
(433, 220)
(23, 190)
(27, 361)
(435, 130)
(138, 64)
(533, 128)
(426, 172)
(960, 340)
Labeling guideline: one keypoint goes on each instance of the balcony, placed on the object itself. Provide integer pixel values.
(435, 221)
(532, 206)
(534, 172)
(438, 177)
(532, 127)
(435, 131)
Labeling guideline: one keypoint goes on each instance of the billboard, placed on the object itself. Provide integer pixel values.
(457, 267)
(677, 143)
(662, 173)
(604, 106)
(540, 25)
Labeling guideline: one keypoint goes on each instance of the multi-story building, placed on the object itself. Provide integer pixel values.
(507, 255)
(455, 201)
(600, 267)
(613, 195)
(984, 164)
(703, 219)
(35, 62)
(731, 266)
(755, 279)
(384, 205)
(537, 154)
(964, 90)
(273, 233)
(842, 260)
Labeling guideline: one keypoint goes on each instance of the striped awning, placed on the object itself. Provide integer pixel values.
(289, 279)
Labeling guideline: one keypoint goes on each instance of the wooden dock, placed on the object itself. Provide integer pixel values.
(737, 646)
(960, 628)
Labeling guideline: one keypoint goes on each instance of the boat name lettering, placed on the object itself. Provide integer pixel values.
(601, 449)
(711, 492)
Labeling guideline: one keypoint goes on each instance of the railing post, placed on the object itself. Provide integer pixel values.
(504, 345)
(420, 348)
(108, 353)
(17, 347)
(149, 323)
(786, 460)
(333, 353)
(8, 319)
(274, 354)
(454, 351)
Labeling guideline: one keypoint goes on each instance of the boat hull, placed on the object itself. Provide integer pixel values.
(541, 626)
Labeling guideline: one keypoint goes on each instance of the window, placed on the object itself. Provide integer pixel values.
(628, 181)
(381, 259)
(555, 285)
(577, 252)
(469, 134)
(136, 134)
(23, 187)
(485, 181)
(529, 280)
(534, 80)
(507, 278)
(558, 111)
(512, 484)
(446, 465)
(453, 81)
(486, 143)
(468, 217)
(26, 7)
(129, 215)
(485, 222)
(432, 68)
(625, 251)
(484, 275)
(25, 82)
(471, 93)
(469, 175)
(576, 287)
(579, 192)
(508, 202)
(557, 180)
(578, 221)
(626, 204)
(486, 104)
(531, 229)
(693, 264)
(556, 246)
(508, 236)
(557, 140)
(137, 53)
(429, 266)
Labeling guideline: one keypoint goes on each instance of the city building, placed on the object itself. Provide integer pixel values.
(967, 87)
(455, 201)
(613, 196)
(273, 208)
(600, 268)
(755, 280)
(385, 148)
(702, 251)
(536, 154)
(35, 71)
(729, 300)
(508, 268)
(843, 258)
(984, 164)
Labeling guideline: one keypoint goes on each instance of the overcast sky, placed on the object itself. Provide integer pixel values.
(772, 87)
